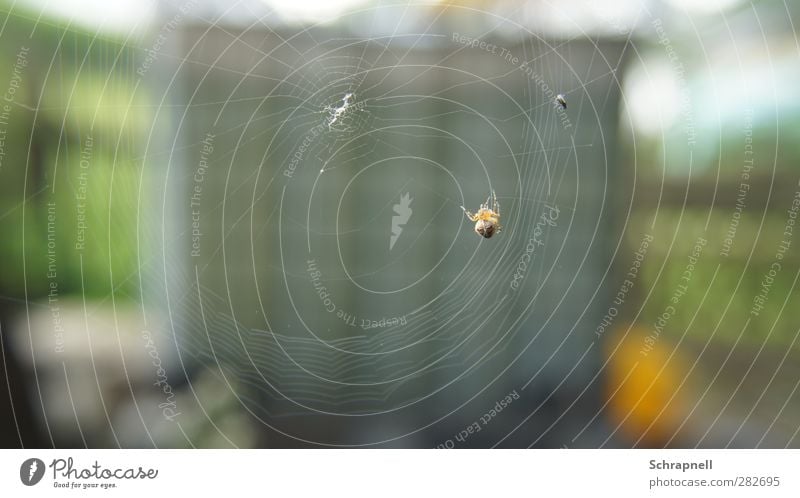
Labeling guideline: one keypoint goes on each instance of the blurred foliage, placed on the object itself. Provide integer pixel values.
(737, 98)
(80, 98)
(727, 301)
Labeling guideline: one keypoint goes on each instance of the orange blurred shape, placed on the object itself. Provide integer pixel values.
(640, 387)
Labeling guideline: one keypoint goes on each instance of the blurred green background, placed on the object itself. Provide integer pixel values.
(672, 107)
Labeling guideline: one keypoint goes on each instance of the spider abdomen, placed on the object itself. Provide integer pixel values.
(485, 228)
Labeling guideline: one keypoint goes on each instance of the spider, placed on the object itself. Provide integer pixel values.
(487, 220)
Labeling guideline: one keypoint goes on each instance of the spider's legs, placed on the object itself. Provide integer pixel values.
(495, 204)
(471, 216)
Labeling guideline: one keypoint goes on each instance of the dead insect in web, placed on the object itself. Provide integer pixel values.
(334, 113)
(561, 101)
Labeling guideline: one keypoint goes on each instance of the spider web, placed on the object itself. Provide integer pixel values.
(274, 235)
(297, 299)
